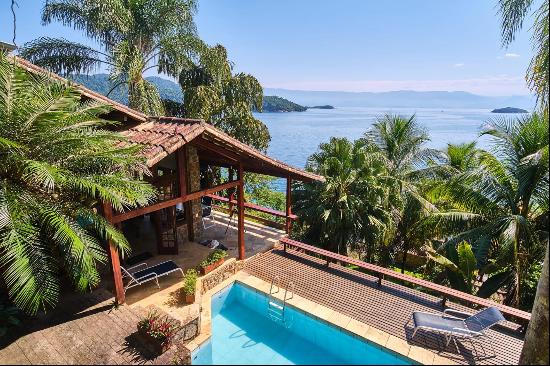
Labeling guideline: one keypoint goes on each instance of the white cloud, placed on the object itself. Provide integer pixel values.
(511, 55)
(458, 65)
(489, 85)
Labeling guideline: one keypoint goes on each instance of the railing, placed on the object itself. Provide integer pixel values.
(381, 272)
(254, 207)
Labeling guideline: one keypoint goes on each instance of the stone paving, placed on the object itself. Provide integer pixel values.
(83, 329)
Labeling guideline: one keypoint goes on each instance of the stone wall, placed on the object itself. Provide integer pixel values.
(195, 185)
(220, 274)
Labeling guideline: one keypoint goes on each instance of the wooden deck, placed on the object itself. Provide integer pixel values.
(82, 330)
(388, 308)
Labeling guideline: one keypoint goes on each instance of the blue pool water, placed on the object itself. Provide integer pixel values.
(243, 333)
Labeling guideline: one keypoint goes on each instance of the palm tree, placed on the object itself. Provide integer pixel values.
(132, 37)
(513, 14)
(501, 207)
(56, 164)
(348, 210)
(401, 140)
(460, 265)
(462, 157)
(213, 93)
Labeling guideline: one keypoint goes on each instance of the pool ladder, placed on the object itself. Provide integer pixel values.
(275, 309)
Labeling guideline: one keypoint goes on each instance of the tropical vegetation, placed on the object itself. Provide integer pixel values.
(57, 161)
(132, 37)
(190, 282)
(212, 92)
(481, 216)
(513, 14)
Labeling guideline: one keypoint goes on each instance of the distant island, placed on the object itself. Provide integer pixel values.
(273, 103)
(509, 110)
(321, 107)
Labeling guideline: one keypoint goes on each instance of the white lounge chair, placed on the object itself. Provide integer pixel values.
(141, 276)
(453, 327)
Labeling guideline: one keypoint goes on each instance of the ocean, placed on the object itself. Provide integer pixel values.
(296, 135)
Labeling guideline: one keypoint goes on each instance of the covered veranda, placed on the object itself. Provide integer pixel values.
(179, 153)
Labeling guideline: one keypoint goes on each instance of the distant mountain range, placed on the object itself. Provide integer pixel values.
(395, 99)
(101, 84)
(402, 99)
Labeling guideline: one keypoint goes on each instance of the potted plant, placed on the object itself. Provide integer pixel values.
(190, 285)
(158, 331)
(213, 261)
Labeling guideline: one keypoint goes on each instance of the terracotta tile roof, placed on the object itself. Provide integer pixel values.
(161, 136)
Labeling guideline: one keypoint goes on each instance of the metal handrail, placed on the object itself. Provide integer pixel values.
(290, 285)
(278, 279)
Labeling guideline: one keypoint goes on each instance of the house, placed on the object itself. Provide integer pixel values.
(175, 149)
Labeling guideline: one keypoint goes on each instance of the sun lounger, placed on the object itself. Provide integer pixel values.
(140, 276)
(453, 327)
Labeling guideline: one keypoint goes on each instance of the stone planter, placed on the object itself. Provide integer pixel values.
(153, 344)
(209, 268)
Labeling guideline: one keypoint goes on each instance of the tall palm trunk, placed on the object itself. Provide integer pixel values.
(535, 345)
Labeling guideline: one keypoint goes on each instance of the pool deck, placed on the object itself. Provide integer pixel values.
(353, 297)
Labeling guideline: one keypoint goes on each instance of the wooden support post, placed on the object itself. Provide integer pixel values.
(444, 302)
(183, 174)
(240, 203)
(115, 259)
(288, 226)
(380, 278)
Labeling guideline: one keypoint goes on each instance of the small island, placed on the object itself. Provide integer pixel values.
(321, 107)
(274, 103)
(509, 110)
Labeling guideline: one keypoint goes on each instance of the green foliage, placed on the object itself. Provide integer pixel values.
(349, 210)
(278, 104)
(460, 264)
(213, 93)
(486, 213)
(500, 204)
(258, 189)
(133, 37)
(9, 317)
(513, 14)
(213, 257)
(56, 164)
(190, 282)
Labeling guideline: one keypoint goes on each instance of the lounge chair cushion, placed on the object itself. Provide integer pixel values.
(159, 269)
(436, 321)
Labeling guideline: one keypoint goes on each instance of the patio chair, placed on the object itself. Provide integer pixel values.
(453, 327)
(139, 277)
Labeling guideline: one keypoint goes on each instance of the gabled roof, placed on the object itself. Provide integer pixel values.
(161, 136)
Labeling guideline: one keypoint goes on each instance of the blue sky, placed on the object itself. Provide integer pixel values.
(352, 45)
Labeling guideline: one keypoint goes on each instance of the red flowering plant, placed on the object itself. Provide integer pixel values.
(160, 328)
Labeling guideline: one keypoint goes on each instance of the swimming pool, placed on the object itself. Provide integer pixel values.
(244, 333)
